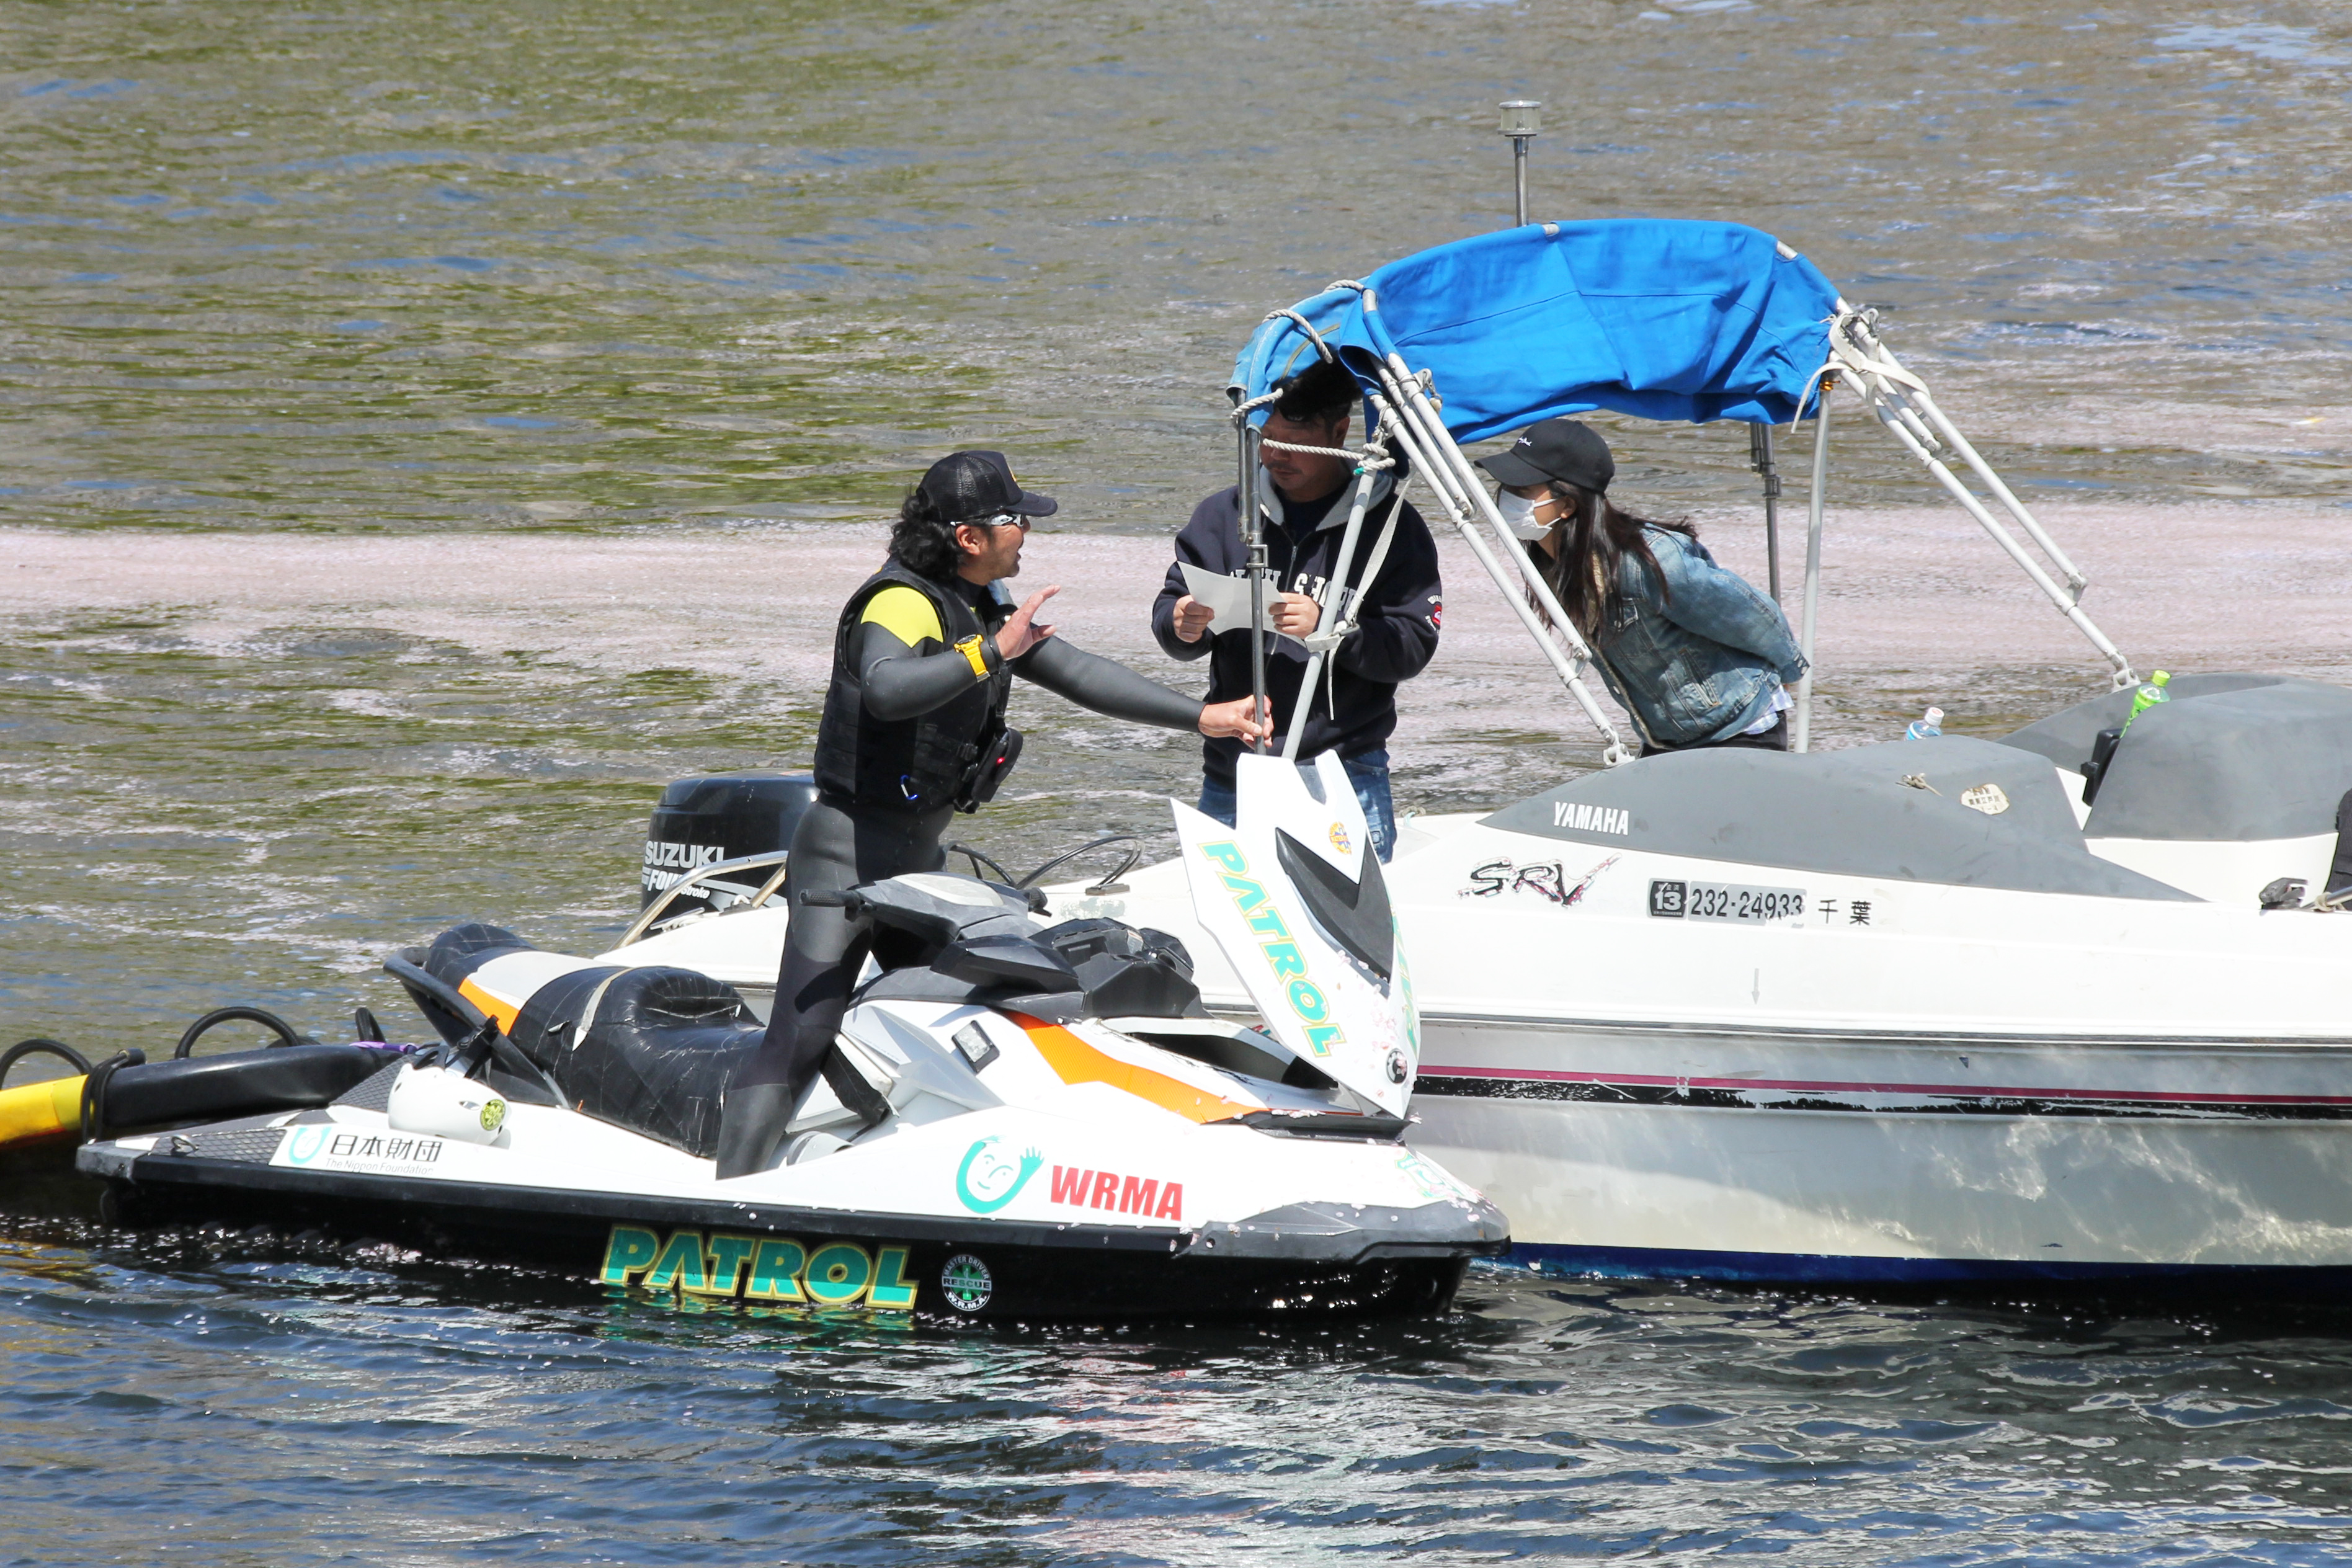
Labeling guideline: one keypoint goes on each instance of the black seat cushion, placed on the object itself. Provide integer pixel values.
(461, 949)
(656, 1056)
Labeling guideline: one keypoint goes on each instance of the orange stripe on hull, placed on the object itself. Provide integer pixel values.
(1079, 1062)
(506, 1013)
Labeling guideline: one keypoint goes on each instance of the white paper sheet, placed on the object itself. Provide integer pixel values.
(1227, 598)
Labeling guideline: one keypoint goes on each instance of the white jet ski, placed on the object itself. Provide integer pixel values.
(1072, 1135)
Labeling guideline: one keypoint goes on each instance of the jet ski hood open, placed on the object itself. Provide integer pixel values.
(1294, 894)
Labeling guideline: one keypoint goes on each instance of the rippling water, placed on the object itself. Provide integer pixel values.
(214, 1399)
(706, 274)
(591, 265)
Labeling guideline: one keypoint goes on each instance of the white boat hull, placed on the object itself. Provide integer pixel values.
(1971, 1084)
(1751, 1158)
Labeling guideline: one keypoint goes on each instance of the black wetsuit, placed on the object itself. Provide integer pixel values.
(900, 719)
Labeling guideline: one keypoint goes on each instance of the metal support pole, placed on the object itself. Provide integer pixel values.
(1521, 121)
(1901, 403)
(1888, 395)
(1254, 554)
(1339, 599)
(1813, 561)
(1760, 458)
(1437, 460)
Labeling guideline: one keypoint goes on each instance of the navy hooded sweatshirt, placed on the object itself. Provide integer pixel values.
(1354, 708)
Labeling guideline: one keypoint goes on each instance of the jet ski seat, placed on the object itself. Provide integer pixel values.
(658, 1049)
(653, 1049)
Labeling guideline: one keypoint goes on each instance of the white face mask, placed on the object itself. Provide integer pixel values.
(1519, 515)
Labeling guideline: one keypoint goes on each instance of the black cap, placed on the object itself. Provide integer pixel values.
(964, 485)
(1562, 450)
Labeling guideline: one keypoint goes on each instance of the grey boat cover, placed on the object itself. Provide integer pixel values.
(1847, 812)
(2229, 758)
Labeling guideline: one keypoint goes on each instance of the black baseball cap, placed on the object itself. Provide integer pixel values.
(964, 485)
(1564, 449)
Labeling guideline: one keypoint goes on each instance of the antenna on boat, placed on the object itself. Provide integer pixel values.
(1522, 123)
(1804, 711)
(1760, 458)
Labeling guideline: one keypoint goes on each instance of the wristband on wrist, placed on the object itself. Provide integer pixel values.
(970, 648)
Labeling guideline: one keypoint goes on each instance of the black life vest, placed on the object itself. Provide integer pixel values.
(928, 762)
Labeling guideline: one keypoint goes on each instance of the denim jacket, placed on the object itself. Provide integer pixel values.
(1700, 661)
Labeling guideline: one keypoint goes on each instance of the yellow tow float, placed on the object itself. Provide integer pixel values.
(36, 1111)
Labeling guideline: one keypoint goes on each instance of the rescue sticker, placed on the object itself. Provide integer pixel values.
(966, 1282)
(759, 1268)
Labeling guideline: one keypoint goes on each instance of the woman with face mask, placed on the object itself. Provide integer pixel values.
(1693, 652)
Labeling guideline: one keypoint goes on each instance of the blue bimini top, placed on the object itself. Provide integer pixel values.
(1658, 318)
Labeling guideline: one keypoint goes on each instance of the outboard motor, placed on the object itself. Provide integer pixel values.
(724, 816)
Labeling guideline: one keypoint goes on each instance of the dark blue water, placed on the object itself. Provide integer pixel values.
(215, 1398)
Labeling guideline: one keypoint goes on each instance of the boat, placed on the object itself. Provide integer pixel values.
(2069, 1008)
(1071, 1133)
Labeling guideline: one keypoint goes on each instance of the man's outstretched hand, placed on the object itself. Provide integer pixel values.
(1234, 721)
(1021, 631)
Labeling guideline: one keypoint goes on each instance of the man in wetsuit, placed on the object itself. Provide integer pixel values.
(1305, 501)
(924, 657)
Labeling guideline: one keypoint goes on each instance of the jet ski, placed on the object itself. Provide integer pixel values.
(1071, 1133)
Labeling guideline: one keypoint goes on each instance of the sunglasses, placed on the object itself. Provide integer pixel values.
(1004, 520)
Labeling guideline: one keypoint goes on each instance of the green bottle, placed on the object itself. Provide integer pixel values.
(2148, 696)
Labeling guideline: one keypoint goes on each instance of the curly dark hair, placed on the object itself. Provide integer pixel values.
(924, 541)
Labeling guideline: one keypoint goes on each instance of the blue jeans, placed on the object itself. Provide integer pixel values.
(1369, 774)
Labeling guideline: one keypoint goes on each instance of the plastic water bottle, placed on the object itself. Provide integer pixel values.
(2148, 696)
(1926, 727)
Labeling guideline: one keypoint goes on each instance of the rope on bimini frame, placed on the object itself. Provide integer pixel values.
(1369, 456)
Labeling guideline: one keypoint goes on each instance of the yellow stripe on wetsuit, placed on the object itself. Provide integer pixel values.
(910, 617)
(904, 614)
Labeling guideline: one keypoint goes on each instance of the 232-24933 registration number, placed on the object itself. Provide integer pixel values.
(1725, 901)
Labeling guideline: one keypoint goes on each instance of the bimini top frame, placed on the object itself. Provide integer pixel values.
(1653, 318)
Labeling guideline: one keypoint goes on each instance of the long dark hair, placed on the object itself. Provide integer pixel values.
(1592, 544)
(923, 541)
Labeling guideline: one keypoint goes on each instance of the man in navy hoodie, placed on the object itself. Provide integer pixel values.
(1304, 502)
